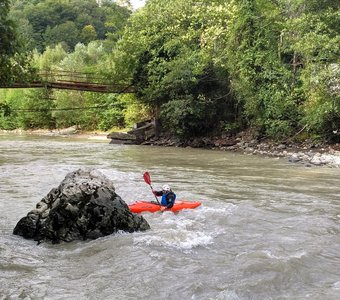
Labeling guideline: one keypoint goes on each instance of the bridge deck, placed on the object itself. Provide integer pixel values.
(78, 86)
(74, 81)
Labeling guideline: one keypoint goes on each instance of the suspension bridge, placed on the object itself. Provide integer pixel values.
(77, 81)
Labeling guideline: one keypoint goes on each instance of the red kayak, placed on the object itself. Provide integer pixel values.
(141, 206)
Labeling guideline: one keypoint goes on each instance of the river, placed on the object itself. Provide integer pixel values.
(267, 228)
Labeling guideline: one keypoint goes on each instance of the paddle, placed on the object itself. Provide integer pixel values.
(147, 179)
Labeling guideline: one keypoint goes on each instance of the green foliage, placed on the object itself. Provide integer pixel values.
(8, 100)
(50, 22)
(113, 117)
(62, 108)
(66, 33)
(322, 109)
(68, 105)
(167, 64)
(26, 109)
(262, 84)
(88, 34)
(314, 36)
(14, 65)
(110, 115)
(201, 66)
(261, 47)
(50, 59)
(35, 110)
(189, 116)
(135, 111)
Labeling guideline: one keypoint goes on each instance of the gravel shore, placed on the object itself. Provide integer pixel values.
(323, 156)
(306, 153)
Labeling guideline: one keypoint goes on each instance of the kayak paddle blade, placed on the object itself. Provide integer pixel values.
(147, 178)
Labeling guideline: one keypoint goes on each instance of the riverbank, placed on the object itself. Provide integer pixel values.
(306, 153)
(73, 132)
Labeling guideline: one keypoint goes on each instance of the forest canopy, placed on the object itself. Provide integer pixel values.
(202, 67)
(49, 22)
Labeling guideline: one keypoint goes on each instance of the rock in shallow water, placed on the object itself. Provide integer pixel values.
(84, 206)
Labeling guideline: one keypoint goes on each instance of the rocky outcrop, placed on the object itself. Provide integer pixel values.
(122, 138)
(141, 132)
(84, 206)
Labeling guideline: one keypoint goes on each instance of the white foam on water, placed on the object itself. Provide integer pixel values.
(226, 295)
(187, 239)
(187, 230)
(176, 232)
(336, 286)
(228, 208)
(298, 255)
(263, 254)
(210, 214)
(174, 238)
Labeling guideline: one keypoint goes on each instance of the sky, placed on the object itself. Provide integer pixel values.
(137, 3)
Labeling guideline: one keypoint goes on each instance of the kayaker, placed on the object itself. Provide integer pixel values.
(168, 196)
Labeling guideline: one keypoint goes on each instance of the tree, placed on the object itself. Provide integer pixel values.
(88, 34)
(167, 63)
(66, 33)
(13, 63)
(315, 42)
(35, 110)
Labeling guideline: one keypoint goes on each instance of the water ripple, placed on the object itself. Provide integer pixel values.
(266, 229)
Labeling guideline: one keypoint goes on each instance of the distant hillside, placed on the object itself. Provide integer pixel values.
(45, 23)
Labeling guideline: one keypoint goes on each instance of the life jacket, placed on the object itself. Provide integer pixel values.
(165, 201)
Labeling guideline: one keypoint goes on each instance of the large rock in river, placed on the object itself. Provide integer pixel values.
(84, 206)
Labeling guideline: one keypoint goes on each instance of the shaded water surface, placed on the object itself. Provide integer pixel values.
(267, 229)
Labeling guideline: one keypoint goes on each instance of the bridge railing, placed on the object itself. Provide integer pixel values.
(79, 81)
(71, 76)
